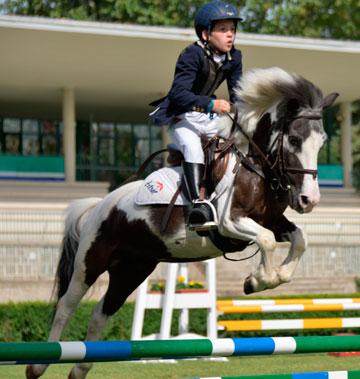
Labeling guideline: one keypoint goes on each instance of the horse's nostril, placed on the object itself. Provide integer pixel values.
(305, 200)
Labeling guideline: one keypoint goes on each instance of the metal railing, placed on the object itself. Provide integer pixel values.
(31, 233)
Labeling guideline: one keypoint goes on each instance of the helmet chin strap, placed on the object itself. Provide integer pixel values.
(209, 49)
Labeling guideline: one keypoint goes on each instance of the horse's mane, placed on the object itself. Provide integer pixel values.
(260, 89)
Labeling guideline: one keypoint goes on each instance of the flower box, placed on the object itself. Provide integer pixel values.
(181, 290)
(191, 290)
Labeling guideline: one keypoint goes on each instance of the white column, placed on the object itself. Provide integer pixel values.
(165, 136)
(69, 138)
(346, 153)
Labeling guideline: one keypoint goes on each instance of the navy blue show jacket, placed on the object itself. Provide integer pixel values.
(192, 73)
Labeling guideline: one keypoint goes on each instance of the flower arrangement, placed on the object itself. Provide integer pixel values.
(180, 285)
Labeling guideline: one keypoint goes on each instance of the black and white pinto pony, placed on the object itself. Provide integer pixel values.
(281, 112)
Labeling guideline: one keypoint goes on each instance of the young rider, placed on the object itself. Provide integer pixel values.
(190, 106)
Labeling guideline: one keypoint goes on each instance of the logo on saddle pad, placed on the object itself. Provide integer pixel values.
(154, 186)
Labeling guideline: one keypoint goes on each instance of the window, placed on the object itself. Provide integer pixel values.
(331, 151)
(105, 141)
(50, 138)
(116, 149)
(124, 145)
(30, 137)
(109, 151)
(11, 136)
(142, 143)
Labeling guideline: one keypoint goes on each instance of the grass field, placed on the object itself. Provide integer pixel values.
(280, 364)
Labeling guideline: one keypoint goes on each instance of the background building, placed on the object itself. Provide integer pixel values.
(74, 95)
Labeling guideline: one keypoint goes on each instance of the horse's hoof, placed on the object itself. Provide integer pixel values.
(30, 373)
(248, 286)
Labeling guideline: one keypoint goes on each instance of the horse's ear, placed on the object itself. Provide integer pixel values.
(329, 100)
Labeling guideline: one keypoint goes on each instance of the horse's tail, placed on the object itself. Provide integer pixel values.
(75, 216)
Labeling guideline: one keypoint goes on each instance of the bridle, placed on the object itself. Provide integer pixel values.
(279, 171)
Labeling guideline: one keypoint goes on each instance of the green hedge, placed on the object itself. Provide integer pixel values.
(31, 322)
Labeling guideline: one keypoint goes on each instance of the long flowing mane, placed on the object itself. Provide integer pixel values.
(260, 89)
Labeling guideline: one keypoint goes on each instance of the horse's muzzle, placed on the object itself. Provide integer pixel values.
(307, 203)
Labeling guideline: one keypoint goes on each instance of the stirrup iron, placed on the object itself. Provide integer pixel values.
(209, 224)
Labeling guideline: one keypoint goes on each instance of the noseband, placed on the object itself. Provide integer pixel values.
(279, 170)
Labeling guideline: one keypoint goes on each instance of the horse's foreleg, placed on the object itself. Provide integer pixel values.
(245, 228)
(298, 241)
(123, 280)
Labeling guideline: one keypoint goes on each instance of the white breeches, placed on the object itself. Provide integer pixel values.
(186, 133)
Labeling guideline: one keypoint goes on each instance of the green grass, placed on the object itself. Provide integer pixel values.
(280, 364)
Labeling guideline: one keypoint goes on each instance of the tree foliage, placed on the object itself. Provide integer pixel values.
(356, 143)
(339, 19)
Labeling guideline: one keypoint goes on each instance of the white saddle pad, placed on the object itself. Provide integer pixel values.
(159, 187)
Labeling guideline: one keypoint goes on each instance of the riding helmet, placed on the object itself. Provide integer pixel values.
(215, 10)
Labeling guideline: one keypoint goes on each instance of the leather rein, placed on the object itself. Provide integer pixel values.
(279, 170)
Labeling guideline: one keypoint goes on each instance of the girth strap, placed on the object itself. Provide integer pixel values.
(169, 209)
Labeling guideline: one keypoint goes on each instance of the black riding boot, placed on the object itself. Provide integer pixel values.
(201, 216)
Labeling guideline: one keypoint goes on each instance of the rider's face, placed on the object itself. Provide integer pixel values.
(222, 36)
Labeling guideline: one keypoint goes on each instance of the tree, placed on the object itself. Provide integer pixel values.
(356, 143)
(338, 19)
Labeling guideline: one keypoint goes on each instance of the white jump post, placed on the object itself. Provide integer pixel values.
(212, 311)
(168, 301)
(171, 300)
(139, 311)
(184, 314)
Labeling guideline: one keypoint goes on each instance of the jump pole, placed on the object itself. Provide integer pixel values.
(305, 375)
(228, 303)
(106, 351)
(279, 308)
(287, 324)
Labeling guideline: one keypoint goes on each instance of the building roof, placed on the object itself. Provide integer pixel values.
(117, 69)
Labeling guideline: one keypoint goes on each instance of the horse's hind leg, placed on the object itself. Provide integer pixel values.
(64, 310)
(125, 277)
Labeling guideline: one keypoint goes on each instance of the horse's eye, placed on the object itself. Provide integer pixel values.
(295, 141)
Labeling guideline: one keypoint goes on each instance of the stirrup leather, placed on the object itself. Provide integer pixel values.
(209, 224)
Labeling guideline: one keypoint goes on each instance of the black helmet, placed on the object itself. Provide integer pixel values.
(214, 11)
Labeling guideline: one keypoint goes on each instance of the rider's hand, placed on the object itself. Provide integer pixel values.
(221, 106)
